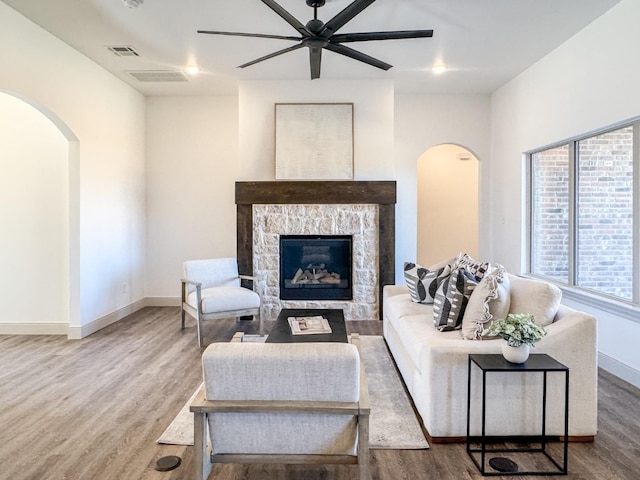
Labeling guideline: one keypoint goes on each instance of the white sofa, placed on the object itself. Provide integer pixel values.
(434, 366)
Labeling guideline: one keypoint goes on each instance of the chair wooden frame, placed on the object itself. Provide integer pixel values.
(201, 408)
(200, 316)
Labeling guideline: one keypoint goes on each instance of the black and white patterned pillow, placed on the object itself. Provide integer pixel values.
(422, 282)
(476, 268)
(451, 299)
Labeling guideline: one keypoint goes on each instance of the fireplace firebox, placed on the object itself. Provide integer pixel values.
(315, 267)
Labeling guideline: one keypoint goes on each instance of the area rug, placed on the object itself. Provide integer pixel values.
(392, 425)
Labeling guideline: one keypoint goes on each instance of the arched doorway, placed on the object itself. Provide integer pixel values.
(447, 203)
(38, 160)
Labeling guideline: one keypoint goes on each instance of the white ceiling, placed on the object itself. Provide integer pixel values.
(485, 43)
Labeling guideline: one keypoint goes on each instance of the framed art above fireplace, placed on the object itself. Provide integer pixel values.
(314, 141)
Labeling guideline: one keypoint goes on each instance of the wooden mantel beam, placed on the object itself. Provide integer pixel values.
(316, 192)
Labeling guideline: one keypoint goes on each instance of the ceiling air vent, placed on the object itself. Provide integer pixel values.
(123, 51)
(159, 76)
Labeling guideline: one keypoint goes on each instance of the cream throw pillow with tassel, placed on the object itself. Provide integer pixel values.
(490, 299)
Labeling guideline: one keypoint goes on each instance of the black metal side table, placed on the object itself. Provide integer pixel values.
(503, 466)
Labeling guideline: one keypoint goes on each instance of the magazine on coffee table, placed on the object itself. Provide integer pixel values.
(309, 325)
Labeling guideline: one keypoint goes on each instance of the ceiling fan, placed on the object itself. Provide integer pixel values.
(317, 35)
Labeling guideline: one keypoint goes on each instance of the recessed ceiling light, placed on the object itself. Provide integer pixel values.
(192, 69)
(439, 68)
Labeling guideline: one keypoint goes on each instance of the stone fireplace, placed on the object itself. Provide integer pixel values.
(363, 212)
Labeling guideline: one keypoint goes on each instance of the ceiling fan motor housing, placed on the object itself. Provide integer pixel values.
(314, 25)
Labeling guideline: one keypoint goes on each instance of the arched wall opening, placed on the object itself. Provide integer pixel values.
(448, 204)
(39, 250)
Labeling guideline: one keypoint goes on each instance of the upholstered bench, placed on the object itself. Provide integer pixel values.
(282, 403)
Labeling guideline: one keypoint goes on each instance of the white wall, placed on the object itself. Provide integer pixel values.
(373, 123)
(391, 133)
(589, 82)
(193, 215)
(192, 163)
(106, 186)
(422, 122)
(447, 219)
(34, 208)
(198, 147)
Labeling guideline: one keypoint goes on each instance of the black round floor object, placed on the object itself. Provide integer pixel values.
(503, 465)
(164, 464)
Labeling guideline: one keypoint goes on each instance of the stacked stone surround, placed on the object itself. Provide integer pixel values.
(358, 220)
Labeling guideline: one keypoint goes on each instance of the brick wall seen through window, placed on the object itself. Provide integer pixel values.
(582, 213)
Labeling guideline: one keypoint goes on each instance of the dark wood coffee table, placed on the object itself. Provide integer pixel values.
(281, 332)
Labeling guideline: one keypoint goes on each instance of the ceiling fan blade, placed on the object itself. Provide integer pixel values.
(356, 55)
(271, 55)
(396, 35)
(287, 17)
(256, 35)
(344, 16)
(315, 58)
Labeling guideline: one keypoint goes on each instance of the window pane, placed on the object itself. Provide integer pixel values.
(605, 213)
(550, 213)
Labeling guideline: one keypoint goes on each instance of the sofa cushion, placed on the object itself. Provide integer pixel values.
(423, 282)
(451, 299)
(419, 338)
(320, 371)
(490, 299)
(222, 299)
(540, 299)
(402, 305)
(415, 334)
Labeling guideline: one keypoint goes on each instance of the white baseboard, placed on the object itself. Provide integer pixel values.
(33, 328)
(619, 369)
(78, 332)
(162, 301)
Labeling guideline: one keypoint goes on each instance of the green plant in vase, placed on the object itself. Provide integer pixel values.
(520, 332)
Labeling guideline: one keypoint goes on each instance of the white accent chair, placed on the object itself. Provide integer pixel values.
(211, 290)
(282, 403)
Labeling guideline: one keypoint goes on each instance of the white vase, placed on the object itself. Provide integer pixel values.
(515, 354)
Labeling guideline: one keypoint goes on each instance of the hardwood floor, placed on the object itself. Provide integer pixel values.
(92, 409)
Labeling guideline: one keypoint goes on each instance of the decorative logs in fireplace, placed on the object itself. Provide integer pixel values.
(314, 267)
(315, 274)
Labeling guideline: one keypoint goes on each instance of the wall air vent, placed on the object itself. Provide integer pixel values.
(123, 50)
(159, 76)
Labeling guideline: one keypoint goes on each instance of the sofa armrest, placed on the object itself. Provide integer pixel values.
(185, 290)
(573, 335)
(393, 290)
